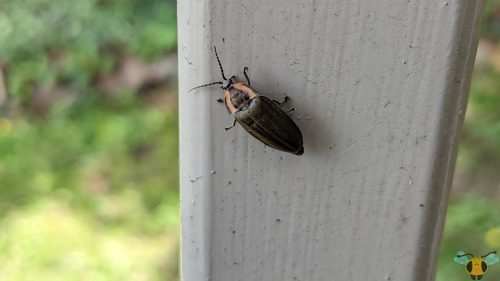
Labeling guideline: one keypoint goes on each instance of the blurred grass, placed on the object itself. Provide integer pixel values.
(88, 174)
(473, 218)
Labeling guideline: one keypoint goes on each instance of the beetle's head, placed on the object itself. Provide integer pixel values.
(228, 83)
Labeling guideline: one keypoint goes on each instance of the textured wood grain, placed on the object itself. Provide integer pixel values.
(380, 88)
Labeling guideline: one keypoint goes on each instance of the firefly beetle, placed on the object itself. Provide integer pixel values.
(260, 116)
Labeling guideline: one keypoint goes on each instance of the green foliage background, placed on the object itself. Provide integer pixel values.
(88, 178)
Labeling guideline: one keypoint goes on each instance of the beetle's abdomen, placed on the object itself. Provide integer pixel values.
(266, 121)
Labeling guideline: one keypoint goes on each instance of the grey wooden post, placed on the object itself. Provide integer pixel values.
(380, 90)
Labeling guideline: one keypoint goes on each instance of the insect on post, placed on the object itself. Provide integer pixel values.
(260, 116)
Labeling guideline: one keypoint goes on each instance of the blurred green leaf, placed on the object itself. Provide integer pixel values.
(89, 180)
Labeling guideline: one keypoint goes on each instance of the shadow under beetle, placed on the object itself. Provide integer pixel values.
(262, 117)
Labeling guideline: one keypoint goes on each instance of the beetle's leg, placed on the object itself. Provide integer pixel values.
(220, 100)
(280, 103)
(245, 73)
(234, 124)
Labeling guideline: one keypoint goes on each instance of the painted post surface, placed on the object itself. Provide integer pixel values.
(380, 90)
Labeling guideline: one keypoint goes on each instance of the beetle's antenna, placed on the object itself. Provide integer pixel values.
(494, 252)
(220, 65)
(209, 84)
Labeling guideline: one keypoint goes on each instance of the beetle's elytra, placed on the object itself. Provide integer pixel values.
(262, 117)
